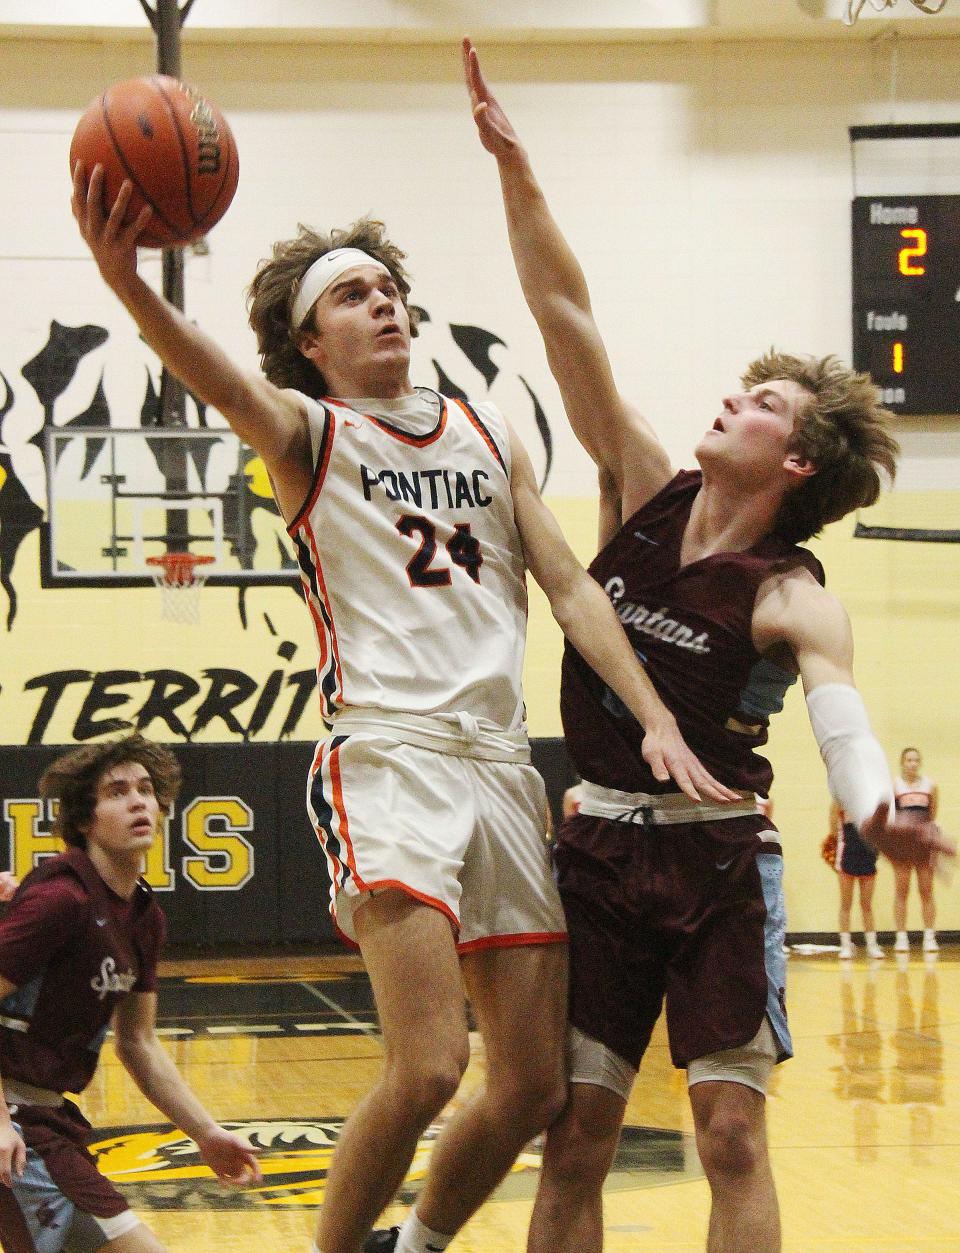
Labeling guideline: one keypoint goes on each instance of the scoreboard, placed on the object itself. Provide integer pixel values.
(906, 299)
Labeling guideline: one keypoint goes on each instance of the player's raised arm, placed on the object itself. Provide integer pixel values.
(267, 418)
(611, 430)
(589, 622)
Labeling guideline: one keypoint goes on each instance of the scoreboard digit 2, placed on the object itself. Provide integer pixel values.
(906, 299)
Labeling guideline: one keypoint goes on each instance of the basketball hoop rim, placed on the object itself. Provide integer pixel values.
(855, 7)
(179, 569)
(180, 559)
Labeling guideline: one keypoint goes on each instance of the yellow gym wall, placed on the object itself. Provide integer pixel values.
(706, 189)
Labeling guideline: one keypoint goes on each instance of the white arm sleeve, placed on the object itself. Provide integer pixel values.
(857, 770)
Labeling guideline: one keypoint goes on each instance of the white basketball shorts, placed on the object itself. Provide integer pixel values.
(464, 835)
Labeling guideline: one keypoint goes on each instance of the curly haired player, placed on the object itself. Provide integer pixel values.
(415, 517)
(78, 954)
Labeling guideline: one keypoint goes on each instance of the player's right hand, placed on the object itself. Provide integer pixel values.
(13, 1154)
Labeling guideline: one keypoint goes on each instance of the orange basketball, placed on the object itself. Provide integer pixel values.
(174, 146)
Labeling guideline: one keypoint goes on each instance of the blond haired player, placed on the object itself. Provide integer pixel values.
(670, 901)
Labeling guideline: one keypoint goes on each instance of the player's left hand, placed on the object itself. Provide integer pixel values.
(496, 133)
(906, 840)
(230, 1157)
(112, 241)
(666, 753)
(8, 885)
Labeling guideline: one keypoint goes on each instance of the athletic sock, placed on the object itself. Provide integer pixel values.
(414, 1237)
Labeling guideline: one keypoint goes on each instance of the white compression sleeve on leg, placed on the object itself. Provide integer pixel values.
(857, 770)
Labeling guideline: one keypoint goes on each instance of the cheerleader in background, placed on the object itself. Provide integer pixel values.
(856, 864)
(915, 794)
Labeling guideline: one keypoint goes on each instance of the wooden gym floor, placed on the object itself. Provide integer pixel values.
(864, 1121)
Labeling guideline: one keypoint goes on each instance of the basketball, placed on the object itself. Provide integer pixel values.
(175, 147)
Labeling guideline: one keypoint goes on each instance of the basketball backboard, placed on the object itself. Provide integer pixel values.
(117, 497)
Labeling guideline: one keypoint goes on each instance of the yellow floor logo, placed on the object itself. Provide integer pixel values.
(158, 1168)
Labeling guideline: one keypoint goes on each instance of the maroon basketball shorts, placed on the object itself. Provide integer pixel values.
(63, 1198)
(688, 913)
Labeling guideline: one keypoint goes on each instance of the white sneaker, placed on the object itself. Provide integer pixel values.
(846, 950)
(930, 944)
(874, 949)
(902, 944)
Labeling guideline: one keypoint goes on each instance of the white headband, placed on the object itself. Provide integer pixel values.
(322, 273)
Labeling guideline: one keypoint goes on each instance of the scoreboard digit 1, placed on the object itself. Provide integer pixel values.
(906, 299)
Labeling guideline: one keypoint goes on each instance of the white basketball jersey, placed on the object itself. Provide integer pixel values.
(411, 560)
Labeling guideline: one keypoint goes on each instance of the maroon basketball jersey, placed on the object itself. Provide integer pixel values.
(691, 628)
(74, 949)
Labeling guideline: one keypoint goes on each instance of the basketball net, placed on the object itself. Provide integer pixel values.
(180, 578)
(856, 7)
